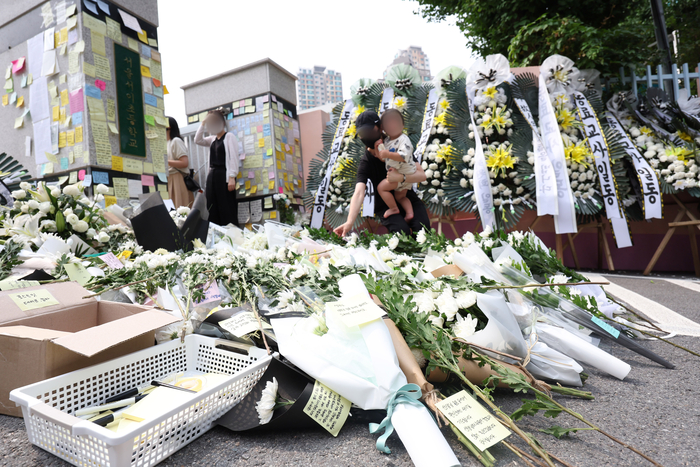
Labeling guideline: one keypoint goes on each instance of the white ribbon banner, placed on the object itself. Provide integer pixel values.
(428, 117)
(482, 180)
(319, 207)
(565, 220)
(601, 153)
(387, 98)
(648, 181)
(545, 179)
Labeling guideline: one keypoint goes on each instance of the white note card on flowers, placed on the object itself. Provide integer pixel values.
(356, 310)
(479, 426)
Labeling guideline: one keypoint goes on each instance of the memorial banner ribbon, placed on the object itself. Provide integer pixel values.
(482, 180)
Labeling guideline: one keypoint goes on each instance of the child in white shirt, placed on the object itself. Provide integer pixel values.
(397, 152)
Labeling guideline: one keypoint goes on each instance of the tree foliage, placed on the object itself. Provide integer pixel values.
(602, 34)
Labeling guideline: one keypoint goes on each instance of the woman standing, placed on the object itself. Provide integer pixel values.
(223, 168)
(178, 167)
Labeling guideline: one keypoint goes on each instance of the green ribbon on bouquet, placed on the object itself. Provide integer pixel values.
(407, 394)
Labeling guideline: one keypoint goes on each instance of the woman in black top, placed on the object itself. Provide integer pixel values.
(372, 168)
(223, 168)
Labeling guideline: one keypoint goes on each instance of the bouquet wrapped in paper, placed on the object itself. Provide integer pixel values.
(359, 362)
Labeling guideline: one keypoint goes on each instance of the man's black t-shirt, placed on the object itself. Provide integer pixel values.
(374, 169)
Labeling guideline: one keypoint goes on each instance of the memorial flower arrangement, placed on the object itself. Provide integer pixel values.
(52, 210)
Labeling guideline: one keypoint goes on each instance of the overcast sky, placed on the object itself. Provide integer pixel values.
(201, 38)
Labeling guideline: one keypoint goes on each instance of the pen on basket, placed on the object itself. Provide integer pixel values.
(170, 386)
(130, 393)
(106, 419)
(111, 405)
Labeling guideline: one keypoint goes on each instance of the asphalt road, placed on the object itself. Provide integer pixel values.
(654, 409)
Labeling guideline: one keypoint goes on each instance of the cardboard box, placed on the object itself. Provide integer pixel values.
(41, 343)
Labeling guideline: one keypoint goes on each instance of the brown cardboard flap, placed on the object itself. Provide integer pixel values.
(28, 332)
(68, 294)
(94, 340)
(447, 270)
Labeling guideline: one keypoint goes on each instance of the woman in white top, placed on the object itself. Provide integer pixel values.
(223, 168)
(178, 167)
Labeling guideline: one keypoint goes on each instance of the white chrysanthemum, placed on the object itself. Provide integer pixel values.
(266, 405)
(447, 304)
(421, 237)
(558, 279)
(425, 303)
(464, 327)
(393, 242)
(465, 298)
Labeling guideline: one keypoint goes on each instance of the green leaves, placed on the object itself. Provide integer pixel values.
(531, 407)
(559, 432)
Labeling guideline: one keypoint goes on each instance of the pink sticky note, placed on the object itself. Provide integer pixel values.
(260, 129)
(111, 261)
(147, 180)
(242, 103)
(17, 65)
(271, 175)
(76, 101)
(100, 84)
(81, 175)
(281, 191)
(251, 174)
(210, 294)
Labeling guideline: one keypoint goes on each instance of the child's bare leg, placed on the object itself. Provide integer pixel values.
(405, 203)
(384, 190)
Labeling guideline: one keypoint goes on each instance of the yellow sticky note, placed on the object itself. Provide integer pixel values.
(64, 97)
(51, 158)
(132, 166)
(63, 36)
(145, 72)
(133, 44)
(254, 189)
(261, 142)
(247, 184)
(113, 128)
(31, 300)
(473, 420)
(62, 115)
(89, 69)
(328, 408)
(143, 37)
(77, 272)
(56, 113)
(273, 215)
(98, 43)
(358, 309)
(279, 165)
(110, 200)
(117, 163)
(70, 137)
(271, 185)
(5, 99)
(19, 122)
(20, 101)
(62, 139)
(285, 176)
(165, 90)
(79, 134)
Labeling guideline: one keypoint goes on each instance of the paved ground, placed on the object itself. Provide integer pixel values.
(654, 409)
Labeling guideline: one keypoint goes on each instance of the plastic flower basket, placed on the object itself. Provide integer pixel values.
(48, 406)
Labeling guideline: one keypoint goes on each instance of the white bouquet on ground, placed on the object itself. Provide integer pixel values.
(360, 363)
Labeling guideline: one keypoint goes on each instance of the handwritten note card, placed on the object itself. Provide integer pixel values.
(356, 310)
(328, 408)
(479, 426)
(34, 299)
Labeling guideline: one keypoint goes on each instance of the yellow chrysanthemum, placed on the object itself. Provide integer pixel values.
(491, 92)
(359, 110)
(577, 153)
(399, 103)
(443, 153)
(444, 105)
(497, 119)
(680, 152)
(352, 131)
(566, 118)
(684, 136)
(440, 119)
(501, 159)
(645, 131)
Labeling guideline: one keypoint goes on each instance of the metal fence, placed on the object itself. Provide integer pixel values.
(670, 82)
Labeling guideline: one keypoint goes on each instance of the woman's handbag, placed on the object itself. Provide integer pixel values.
(190, 182)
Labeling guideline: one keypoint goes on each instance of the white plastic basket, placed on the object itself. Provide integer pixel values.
(48, 406)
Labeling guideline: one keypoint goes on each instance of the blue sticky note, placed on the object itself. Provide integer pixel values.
(24, 81)
(150, 99)
(158, 91)
(77, 118)
(229, 116)
(145, 51)
(64, 163)
(163, 177)
(90, 6)
(284, 139)
(103, 6)
(100, 177)
(93, 91)
(247, 131)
